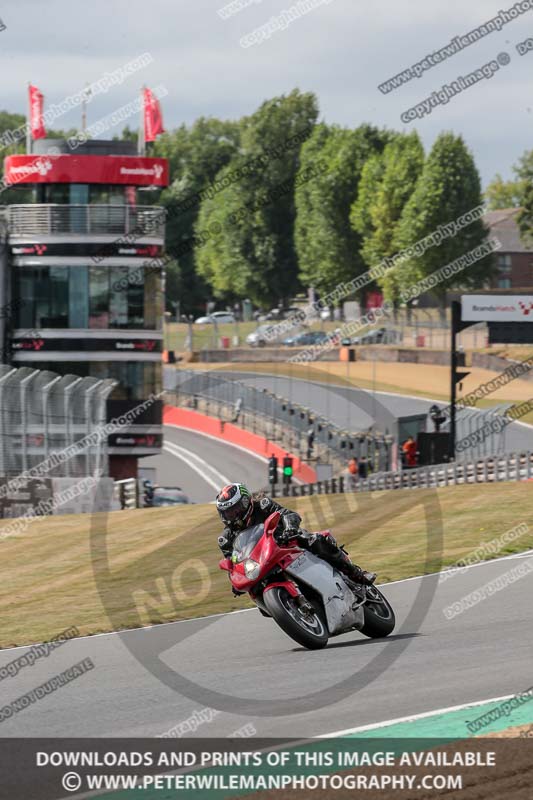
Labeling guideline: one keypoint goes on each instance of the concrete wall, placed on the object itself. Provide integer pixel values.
(497, 364)
(70, 496)
(283, 355)
(257, 354)
(403, 355)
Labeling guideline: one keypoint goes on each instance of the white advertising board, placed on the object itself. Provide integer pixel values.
(497, 308)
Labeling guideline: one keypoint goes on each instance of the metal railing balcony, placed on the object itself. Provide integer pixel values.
(34, 219)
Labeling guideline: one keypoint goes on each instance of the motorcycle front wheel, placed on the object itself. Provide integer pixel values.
(307, 628)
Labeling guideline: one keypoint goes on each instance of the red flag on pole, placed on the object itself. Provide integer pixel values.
(153, 116)
(36, 113)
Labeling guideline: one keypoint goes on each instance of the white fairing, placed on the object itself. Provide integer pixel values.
(337, 597)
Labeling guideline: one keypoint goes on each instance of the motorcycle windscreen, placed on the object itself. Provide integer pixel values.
(245, 543)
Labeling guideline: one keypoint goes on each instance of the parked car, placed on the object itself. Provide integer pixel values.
(306, 339)
(169, 496)
(260, 337)
(216, 316)
(378, 336)
(282, 313)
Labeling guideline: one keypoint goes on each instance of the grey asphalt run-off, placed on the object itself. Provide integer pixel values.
(483, 653)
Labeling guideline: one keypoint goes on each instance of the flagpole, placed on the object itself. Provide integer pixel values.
(141, 138)
(28, 129)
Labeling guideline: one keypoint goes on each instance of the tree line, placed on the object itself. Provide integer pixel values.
(278, 201)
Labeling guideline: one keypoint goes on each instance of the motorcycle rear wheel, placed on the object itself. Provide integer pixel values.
(309, 630)
(379, 616)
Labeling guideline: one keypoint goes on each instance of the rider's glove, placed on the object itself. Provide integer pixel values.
(291, 524)
(225, 539)
(283, 537)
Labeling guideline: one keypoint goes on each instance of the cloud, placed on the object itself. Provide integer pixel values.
(341, 51)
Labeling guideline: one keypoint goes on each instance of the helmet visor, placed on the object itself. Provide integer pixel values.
(232, 513)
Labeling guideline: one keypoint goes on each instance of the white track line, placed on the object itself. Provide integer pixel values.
(412, 717)
(217, 439)
(208, 473)
(460, 570)
(245, 610)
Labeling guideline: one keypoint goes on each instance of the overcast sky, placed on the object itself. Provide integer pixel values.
(341, 50)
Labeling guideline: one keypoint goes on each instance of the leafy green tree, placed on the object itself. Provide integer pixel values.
(403, 161)
(361, 217)
(448, 187)
(389, 183)
(195, 157)
(504, 194)
(328, 247)
(524, 173)
(247, 230)
(307, 205)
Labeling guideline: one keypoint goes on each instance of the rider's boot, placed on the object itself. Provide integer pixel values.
(354, 572)
(327, 548)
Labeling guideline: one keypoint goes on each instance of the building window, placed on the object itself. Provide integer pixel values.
(84, 193)
(135, 298)
(78, 297)
(505, 264)
(58, 298)
(504, 283)
(88, 297)
(118, 298)
(99, 297)
(44, 292)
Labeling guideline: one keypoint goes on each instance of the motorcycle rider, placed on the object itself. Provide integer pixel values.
(239, 509)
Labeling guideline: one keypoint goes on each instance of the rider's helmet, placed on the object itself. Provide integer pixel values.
(235, 505)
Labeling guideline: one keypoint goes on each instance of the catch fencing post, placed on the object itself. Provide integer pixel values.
(46, 394)
(3, 434)
(88, 398)
(68, 426)
(23, 416)
(101, 463)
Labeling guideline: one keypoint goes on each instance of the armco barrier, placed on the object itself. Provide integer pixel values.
(126, 493)
(513, 467)
(227, 432)
(280, 420)
(492, 469)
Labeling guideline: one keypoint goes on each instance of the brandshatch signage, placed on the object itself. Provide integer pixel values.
(40, 344)
(497, 308)
(89, 249)
(135, 440)
(65, 168)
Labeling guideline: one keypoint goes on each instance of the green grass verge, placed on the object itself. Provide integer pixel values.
(48, 572)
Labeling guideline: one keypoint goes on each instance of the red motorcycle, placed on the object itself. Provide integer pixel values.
(308, 598)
